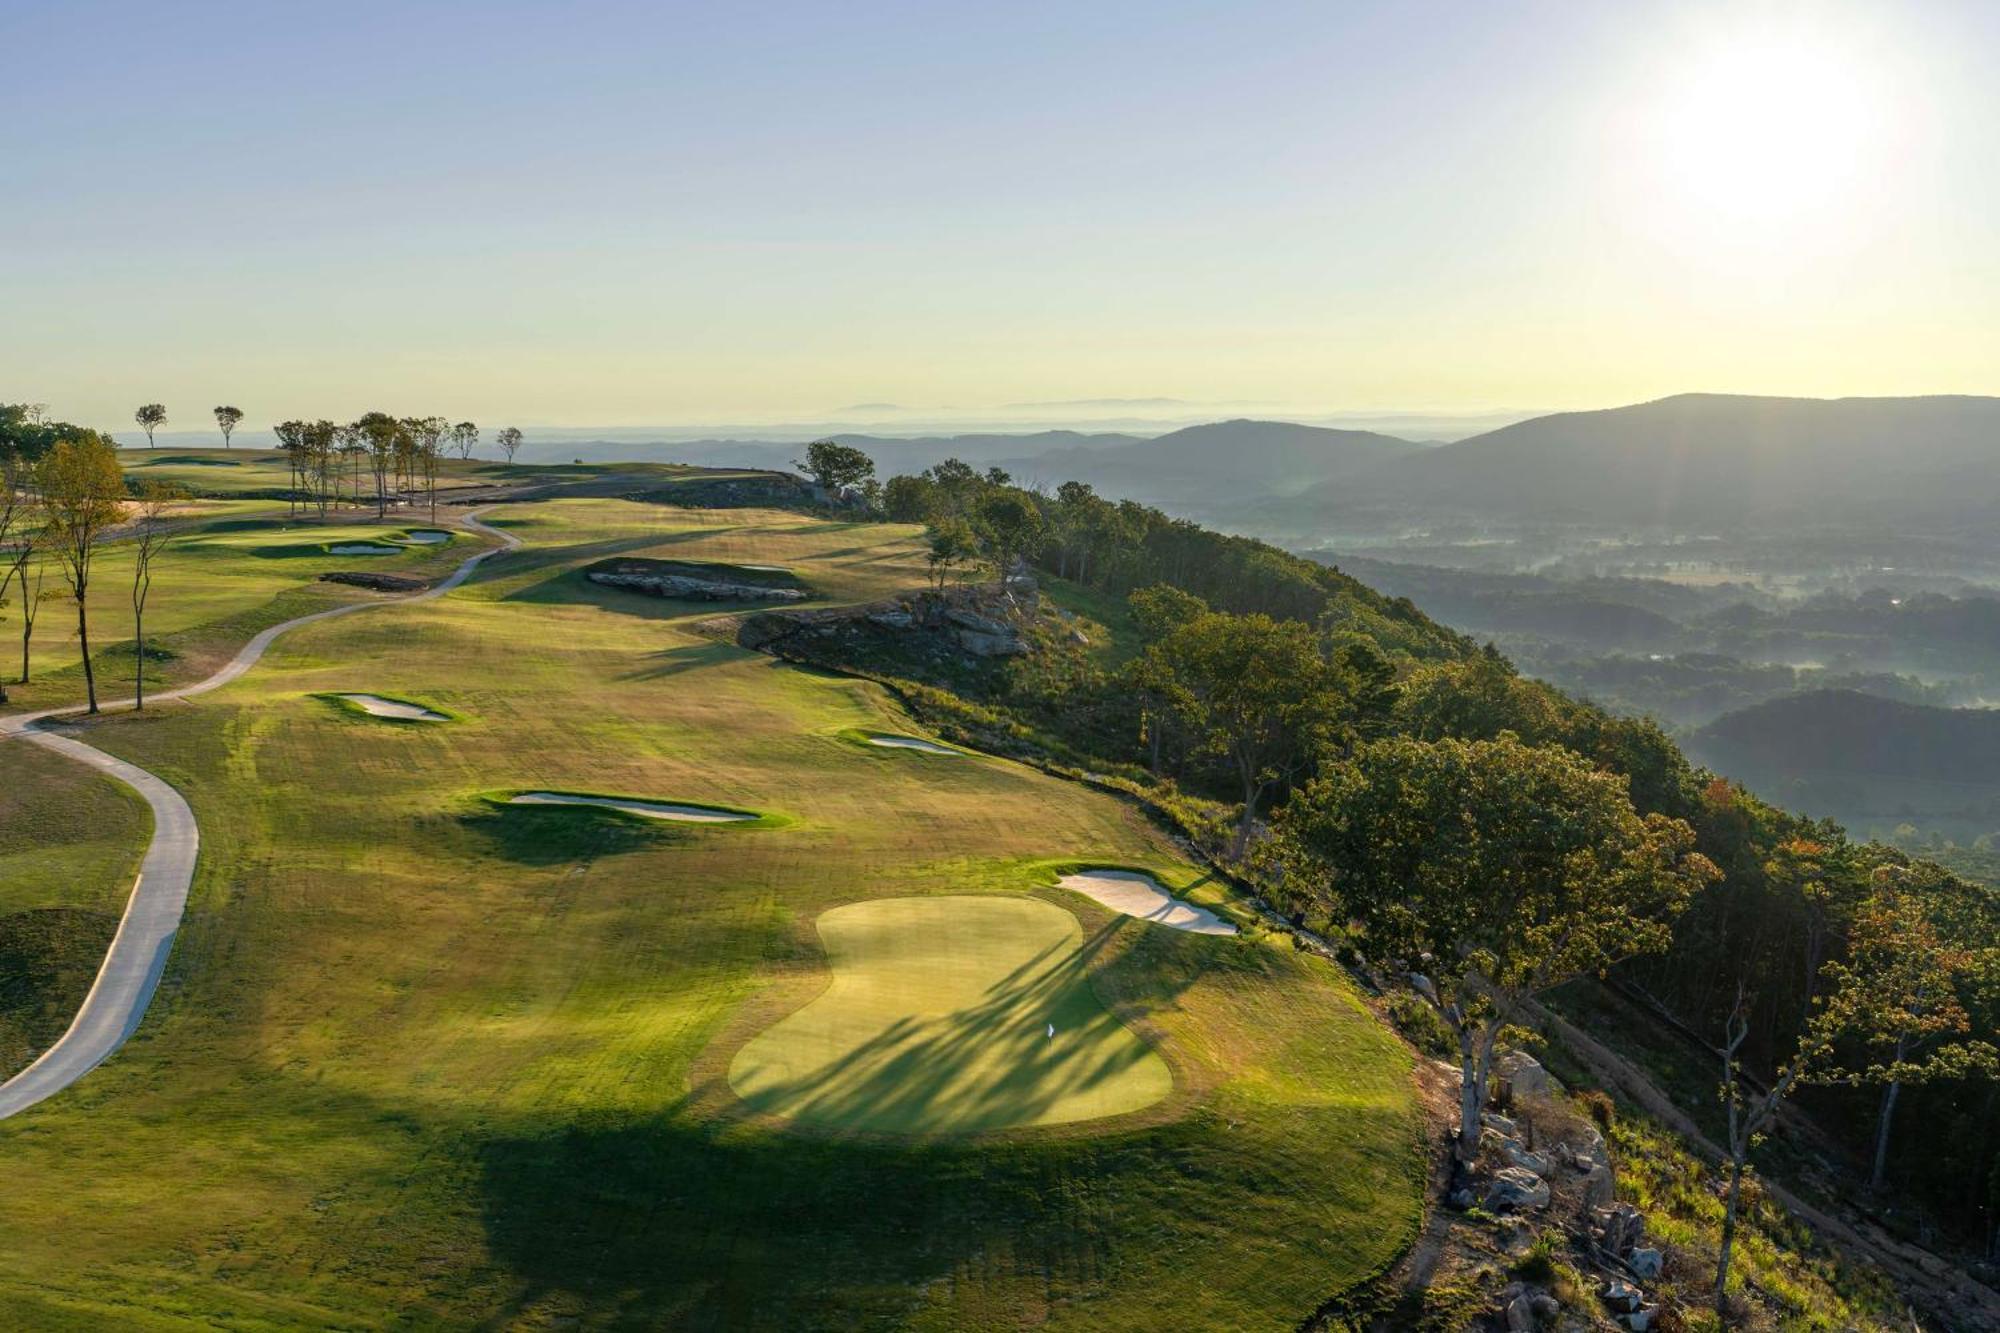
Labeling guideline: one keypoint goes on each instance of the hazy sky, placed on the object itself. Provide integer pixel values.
(592, 213)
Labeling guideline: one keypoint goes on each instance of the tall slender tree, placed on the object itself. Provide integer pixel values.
(151, 537)
(292, 441)
(384, 436)
(83, 493)
(227, 418)
(509, 440)
(464, 436)
(150, 417)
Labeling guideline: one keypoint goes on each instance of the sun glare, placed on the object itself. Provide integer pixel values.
(1764, 144)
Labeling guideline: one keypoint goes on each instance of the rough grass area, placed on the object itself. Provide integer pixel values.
(422, 1061)
(950, 1015)
(70, 844)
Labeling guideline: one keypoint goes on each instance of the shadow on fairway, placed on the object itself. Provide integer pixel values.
(562, 834)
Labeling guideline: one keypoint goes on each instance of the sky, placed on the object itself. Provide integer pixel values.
(597, 214)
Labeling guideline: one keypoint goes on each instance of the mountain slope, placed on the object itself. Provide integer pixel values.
(1703, 460)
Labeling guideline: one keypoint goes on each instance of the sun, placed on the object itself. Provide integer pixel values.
(1763, 140)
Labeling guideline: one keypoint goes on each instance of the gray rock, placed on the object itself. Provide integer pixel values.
(977, 623)
(1004, 644)
(1622, 1296)
(1522, 1074)
(1641, 1319)
(1516, 1191)
(1520, 1314)
(705, 590)
(1499, 1124)
(1546, 1307)
(892, 619)
(1647, 1262)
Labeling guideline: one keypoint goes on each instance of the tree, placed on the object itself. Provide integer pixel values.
(464, 437)
(1491, 871)
(17, 533)
(292, 441)
(226, 418)
(322, 445)
(83, 493)
(1898, 995)
(351, 442)
(1012, 526)
(150, 417)
(150, 538)
(1251, 691)
(428, 435)
(951, 543)
(383, 435)
(509, 440)
(834, 466)
(906, 499)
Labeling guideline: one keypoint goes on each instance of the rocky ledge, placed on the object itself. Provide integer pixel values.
(692, 588)
(379, 582)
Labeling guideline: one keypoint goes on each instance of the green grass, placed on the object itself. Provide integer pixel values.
(70, 843)
(418, 1059)
(935, 1021)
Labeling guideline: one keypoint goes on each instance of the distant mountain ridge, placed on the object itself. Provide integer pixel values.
(1698, 460)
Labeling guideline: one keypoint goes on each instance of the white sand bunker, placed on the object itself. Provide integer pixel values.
(766, 569)
(1139, 895)
(376, 706)
(911, 743)
(427, 537)
(692, 814)
(362, 548)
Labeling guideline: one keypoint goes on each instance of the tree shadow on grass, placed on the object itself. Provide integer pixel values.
(564, 834)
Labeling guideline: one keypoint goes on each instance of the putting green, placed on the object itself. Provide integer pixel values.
(937, 1022)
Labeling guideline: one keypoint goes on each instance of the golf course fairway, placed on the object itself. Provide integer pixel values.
(937, 1021)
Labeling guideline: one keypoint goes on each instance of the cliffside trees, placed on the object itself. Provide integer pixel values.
(226, 420)
(83, 493)
(950, 543)
(1012, 527)
(1491, 871)
(150, 417)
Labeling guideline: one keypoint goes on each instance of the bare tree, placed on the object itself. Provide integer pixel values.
(509, 440)
(227, 418)
(151, 538)
(150, 417)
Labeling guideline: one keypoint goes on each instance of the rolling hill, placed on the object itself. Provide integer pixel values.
(1853, 734)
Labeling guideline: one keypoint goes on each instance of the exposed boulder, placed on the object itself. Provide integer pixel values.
(1519, 1074)
(1514, 1190)
(1646, 1262)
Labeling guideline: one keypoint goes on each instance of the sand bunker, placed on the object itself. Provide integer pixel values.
(692, 814)
(1139, 895)
(766, 569)
(375, 705)
(363, 548)
(911, 743)
(427, 537)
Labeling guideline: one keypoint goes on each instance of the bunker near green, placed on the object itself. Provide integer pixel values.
(1137, 894)
(402, 710)
(950, 1015)
(913, 743)
(689, 814)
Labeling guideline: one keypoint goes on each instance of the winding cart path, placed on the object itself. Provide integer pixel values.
(131, 971)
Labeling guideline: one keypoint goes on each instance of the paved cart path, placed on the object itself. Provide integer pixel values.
(138, 955)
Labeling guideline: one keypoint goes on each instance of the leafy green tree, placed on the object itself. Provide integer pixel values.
(83, 493)
(954, 488)
(226, 420)
(464, 438)
(907, 499)
(1012, 527)
(509, 441)
(1161, 609)
(1899, 995)
(150, 537)
(427, 435)
(150, 417)
(293, 443)
(384, 436)
(1490, 871)
(950, 543)
(1251, 691)
(834, 466)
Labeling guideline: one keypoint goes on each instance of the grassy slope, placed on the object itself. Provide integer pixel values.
(418, 1054)
(70, 842)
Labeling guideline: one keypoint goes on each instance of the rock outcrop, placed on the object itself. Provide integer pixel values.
(692, 588)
